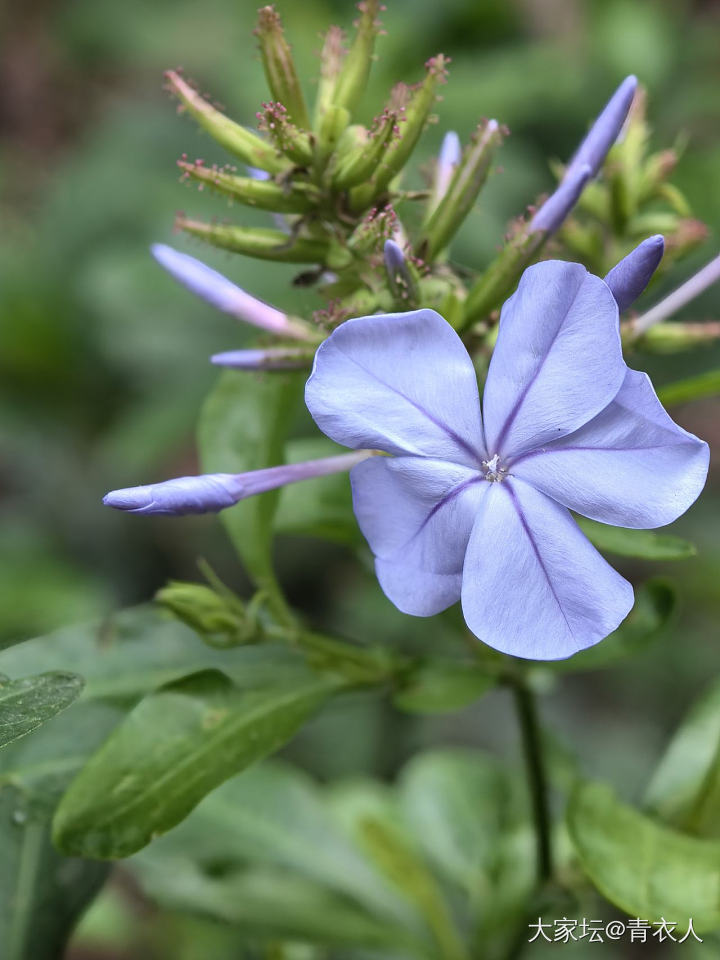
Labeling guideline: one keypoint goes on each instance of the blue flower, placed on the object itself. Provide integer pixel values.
(475, 507)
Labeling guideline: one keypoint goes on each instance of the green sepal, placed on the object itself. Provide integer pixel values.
(279, 66)
(467, 181)
(245, 144)
(262, 243)
(296, 197)
(353, 73)
(358, 160)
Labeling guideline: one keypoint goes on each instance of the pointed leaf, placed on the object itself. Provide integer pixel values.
(645, 544)
(685, 790)
(27, 703)
(176, 746)
(646, 869)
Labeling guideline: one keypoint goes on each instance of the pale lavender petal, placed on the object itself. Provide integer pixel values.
(394, 259)
(533, 585)
(631, 465)
(211, 492)
(272, 358)
(418, 592)
(448, 159)
(558, 205)
(417, 514)
(604, 132)
(631, 275)
(403, 383)
(219, 292)
(557, 362)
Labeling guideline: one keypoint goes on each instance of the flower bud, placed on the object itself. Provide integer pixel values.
(219, 622)
(331, 61)
(245, 144)
(401, 275)
(556, 208)
(448, 159)
(353, 75)
(467, 181)
(264, 244)
(274, 120)
(604, 131)
(631, 275)
(361, 152)
(262, 193)
(398, 152)
(223, 294)
(279, 66)
(272, 358)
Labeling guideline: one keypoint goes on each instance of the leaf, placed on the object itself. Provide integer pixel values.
(320, 507)
(41, 892)
(693, 388)
(174, 747)
(645, 544)
(142, 648)
(440, 686)
(243, 426)
(646, 869)
(654, 606)
(27, 703)
(685, 790)
(274, 905)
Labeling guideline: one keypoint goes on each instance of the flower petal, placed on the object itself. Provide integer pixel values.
(631, 466)
(533, 585)
(403, 383)
(558, 359)
(631, 275)
(417, 515)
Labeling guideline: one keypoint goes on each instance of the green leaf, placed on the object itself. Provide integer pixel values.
(320, 507)
(176, 746)
(645, 544)
(654, 606)
(140, 649)
(270, 904)
(273, 815)
(646, 869)
(243, 426)
(439, 686)
(693, 388)
(41, 892)
(685, 790)
(27, 703)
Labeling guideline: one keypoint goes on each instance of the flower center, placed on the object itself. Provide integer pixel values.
(494, 472)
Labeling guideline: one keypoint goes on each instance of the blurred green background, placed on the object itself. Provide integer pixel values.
(103, 360)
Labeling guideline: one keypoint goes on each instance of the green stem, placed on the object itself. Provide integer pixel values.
(536, 775)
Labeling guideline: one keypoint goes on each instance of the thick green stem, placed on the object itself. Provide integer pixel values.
(536, 775)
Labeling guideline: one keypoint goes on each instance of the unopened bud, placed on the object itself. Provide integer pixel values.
(331, 61)
(219, 623)
(467, 181)
(373, 230)
(262, 193)
(401, 275)
(363, 152)
(355, 69)
(271, 358)
(264, 244)
(448, 159)
(279, 66)
(245, 144)
(274, 120)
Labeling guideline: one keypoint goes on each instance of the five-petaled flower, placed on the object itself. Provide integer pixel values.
(476, 507)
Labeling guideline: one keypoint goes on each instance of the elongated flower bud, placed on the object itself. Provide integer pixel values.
(256, 242)
(358, 163)
(212, 492)
(295, 143)
(331, 60)
(631, 275)
(400, 275)
(272, 358)
(558, 205)
(467, 181)
(245, 144)
(262, 193)
(279, 67)
(355, 70)
(398, 152)
(224, 295)
(448, 158)
(604, 132)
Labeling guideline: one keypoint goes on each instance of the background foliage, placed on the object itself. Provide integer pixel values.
(103, 361)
